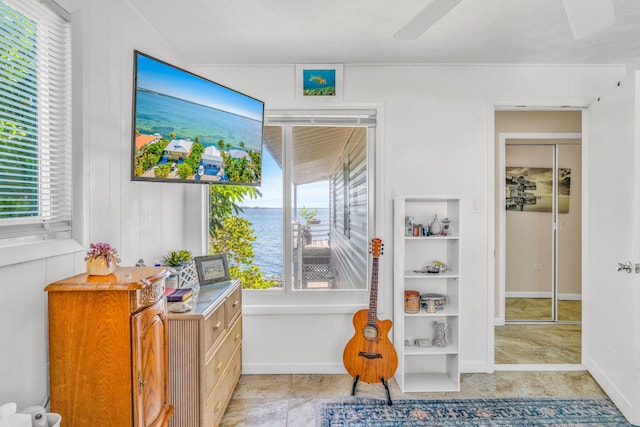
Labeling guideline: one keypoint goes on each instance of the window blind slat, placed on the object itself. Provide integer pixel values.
(15, 146)
(13, 84)
(20, 103)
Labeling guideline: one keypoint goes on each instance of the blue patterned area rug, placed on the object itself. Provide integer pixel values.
(556, 412)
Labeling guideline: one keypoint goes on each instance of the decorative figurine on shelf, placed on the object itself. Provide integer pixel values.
(440, 335)
(436, 227)
(442, 267)
(409, 223)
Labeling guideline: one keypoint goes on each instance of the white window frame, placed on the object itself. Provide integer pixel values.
(49, 232)
(288, 300)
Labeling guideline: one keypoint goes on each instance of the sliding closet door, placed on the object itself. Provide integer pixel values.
(569, 249)
(529, 241)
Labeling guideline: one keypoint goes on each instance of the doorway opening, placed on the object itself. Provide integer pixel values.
(538, 237)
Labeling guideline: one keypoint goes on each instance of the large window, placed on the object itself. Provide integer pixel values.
(35, 122)
(309, 222)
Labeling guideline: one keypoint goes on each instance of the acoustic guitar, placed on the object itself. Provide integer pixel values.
(369, 355)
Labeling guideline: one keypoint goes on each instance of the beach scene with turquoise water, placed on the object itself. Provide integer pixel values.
(188, 128)
(160, 114)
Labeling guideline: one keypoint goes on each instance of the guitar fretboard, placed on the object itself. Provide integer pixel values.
(373, 295)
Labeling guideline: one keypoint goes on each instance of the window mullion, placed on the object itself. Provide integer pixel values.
(287, 148)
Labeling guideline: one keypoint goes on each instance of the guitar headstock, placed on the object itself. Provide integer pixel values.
(375, 247)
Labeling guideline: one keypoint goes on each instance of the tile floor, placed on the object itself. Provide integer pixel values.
(539, 343)
(289, 400)
(540, 309)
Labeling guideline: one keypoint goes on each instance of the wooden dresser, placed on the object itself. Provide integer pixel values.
(108, 349)
(205, 355)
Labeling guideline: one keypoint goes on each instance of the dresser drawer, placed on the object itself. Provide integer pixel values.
(233, 304)
(214, 326)
(219, 398)
(218, 362)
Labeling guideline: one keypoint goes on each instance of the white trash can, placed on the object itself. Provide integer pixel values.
(53, 419)
(33, 416)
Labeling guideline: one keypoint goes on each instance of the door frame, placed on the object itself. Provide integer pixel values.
(502, 253)
(524, 104)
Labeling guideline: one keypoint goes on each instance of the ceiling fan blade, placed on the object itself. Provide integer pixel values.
(425, 19)
(589, 17)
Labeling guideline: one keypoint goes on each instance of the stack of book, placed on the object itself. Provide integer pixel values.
(178, 294)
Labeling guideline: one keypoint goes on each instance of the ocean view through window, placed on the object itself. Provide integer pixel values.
(268, 246)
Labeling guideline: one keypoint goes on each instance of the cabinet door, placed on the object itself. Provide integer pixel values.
(150, 365)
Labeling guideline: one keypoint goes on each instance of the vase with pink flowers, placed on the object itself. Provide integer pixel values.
(102, 259)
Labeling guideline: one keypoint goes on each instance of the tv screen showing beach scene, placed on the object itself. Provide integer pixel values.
(189, 129)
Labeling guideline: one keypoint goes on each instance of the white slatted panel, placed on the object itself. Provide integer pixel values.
(349, 249)
(184, 374)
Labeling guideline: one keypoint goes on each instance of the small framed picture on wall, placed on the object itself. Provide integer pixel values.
(212, 269)
(319, 82)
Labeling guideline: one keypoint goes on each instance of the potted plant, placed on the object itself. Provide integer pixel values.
(309, 215)
(177, 258)
(101, 259)
(310, 218)
(180, 261)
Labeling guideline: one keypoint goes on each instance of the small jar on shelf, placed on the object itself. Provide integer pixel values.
(411, 301)
(446, 227)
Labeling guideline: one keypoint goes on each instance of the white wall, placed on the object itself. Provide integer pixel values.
(434, 127)
(141, 219)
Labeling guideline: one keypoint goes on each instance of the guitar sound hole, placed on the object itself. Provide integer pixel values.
(370, 332)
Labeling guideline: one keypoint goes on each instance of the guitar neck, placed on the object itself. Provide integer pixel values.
(373, 295)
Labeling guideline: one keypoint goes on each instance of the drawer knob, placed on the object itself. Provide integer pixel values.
(235, 303)
(219, 365)
(217, 325)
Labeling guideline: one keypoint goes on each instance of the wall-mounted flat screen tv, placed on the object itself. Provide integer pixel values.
(189, 129)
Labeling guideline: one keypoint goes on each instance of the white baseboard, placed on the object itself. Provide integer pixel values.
(474, 367)
(293, 368)
(539, 367)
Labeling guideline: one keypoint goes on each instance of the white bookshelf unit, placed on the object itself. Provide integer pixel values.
(426, 369)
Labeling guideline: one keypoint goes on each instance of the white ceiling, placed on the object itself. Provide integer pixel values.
(361, 31)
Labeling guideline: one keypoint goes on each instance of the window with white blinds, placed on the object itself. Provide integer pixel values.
(35, 122)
